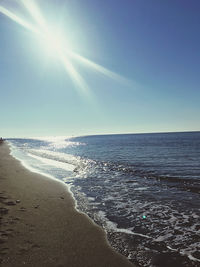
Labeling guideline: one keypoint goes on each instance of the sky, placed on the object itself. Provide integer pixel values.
(149, 51)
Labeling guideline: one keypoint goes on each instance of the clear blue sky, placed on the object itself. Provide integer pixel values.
(154, 44)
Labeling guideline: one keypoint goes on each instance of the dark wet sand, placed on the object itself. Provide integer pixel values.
(39, 225)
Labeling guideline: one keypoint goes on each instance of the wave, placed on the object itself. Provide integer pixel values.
(120, 194)
(87, 167)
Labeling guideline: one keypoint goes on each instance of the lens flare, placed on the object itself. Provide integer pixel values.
(55, 42)
(18, 20)
(99, 68)
(34, 11)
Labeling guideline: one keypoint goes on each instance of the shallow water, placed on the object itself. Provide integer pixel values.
(144, 189)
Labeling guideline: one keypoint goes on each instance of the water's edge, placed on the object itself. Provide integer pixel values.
(137, 239)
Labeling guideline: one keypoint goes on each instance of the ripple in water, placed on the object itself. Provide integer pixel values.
(142, 189)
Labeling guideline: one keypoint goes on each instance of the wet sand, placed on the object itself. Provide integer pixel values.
(39, 225)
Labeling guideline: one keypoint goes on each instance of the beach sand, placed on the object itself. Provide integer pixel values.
(39, 225)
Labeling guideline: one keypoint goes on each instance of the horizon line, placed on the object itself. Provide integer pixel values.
(100, 134)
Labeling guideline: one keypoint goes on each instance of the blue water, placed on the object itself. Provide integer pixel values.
(143, 189)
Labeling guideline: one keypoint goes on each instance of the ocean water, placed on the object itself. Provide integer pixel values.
(143, 189)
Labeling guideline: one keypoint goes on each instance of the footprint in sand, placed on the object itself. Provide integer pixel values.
(22, 209)
(5, 234)
(4, 251)
(35, 246)
(9, 203)
(15, 219)
(31, 244)
(22, 250)
(26, 247)
(2, 241)
(2, 198)
(3, 211)
(9, 231)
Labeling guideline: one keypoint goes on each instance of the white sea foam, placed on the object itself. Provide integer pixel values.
(111, 226)
(145, 207)
(17, 155)
(23, 158)
(184, 252)
(162, 237)
(57, 164)
(59, 156)
(140, 188)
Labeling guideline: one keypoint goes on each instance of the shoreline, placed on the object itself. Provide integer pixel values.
(40, 225)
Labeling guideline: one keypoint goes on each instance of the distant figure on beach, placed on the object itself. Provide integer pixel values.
(1, 140)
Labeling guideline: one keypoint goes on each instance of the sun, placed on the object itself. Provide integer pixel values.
(54, 42)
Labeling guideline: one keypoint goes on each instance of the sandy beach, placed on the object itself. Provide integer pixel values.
(41, 227)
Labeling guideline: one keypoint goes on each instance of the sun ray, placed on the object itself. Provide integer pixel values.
(58, 46)
(99, 68)
(35, 13)
(18, 20)
(76, 77)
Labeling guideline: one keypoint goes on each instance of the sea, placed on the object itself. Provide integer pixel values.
(142, 189)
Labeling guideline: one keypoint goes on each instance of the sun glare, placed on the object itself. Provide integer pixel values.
(55, 44)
